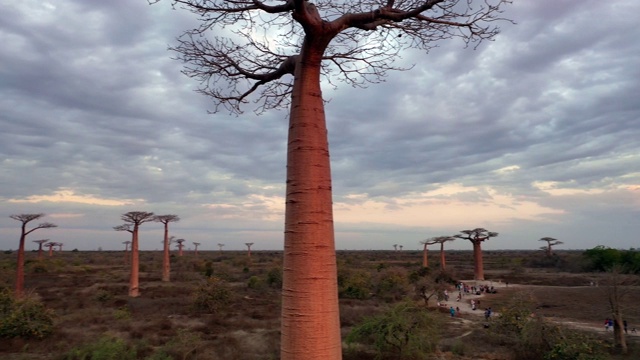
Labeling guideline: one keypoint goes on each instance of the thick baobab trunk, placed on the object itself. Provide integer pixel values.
(478, 267)
(310, 314)
(425, 261)
(166, 259)
(443, 262)
(20, 266)
(134, 291)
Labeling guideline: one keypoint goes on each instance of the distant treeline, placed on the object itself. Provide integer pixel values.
(602, 258)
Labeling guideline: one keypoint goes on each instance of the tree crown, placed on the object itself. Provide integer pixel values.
(257, 44)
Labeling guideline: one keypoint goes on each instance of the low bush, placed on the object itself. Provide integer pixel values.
(26, 317)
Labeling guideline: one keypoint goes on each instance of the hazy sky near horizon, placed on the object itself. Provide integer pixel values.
(534, 134)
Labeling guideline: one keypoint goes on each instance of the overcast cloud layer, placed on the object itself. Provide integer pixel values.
(535, 134)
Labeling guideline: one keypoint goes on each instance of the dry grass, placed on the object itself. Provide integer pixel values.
(88, 291)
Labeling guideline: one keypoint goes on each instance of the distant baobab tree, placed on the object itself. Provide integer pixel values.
(126, 251)
(435, 240)
(195, 250)
(220, 246)
(166, 258)
(132, 221)
(550, 242)
(477, 236)
(400, 246)
(40, 243)
(295, 44)
(24, 219)
(59, 246)
(180, 246)
(249, 248)
(395, 247)
(50, 245)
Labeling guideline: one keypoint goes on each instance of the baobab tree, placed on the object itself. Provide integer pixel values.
(436, 240)
(477, 236)
(195, 246)
(400, 246)
(550, 242)
(395, 247)
(166, 258)
(60, 246)
(220, 246)
(50, 245)
(132, 221)
(249, 249)
(180, 246)
(278, 63)
(126, 251)
(40, 243)
(24, 220)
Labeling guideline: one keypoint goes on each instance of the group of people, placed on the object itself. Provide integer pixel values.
(608, 324)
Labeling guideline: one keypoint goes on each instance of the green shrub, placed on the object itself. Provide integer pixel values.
(26, 317)
(274, 277)
(354, 284)
(211, 296)
(405, 331)
(105, 348)
(255, 283)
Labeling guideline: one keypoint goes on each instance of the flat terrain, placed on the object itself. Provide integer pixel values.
(88, 292)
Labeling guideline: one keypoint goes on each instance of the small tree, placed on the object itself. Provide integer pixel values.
(180, 246)
(132, 221)
(166, 259)
(477, 236)
(615, 292)
(24, 220)
(40, 243)
(550, 242)
(249, 249)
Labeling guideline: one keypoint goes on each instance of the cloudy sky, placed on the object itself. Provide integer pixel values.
(534, 134)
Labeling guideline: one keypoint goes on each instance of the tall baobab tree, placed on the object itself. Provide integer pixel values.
(25, 219)
(435, 240)
(195, 246)
(249, 248)
(50, 245)
(132, 221)
(40, 243)
(220, 246)
(60, 246)
(126, 251)
(180, 246)
(395, 247)
(166, 258)
(477, 236)
(550, 242)
(425, 251)
(356, 40)
(400, 246)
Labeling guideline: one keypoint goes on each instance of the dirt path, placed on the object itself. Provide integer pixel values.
(468, 315)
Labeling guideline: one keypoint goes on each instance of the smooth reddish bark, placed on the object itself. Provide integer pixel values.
(425, 261)
(443, 260)
(478, 268)
(310, 326)
(134, 277)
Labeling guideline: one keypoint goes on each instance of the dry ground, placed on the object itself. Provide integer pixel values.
(88, 291)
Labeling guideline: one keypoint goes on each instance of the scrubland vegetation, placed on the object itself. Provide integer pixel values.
(225, 305)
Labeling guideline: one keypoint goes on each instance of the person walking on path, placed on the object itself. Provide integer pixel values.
(452, 311)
